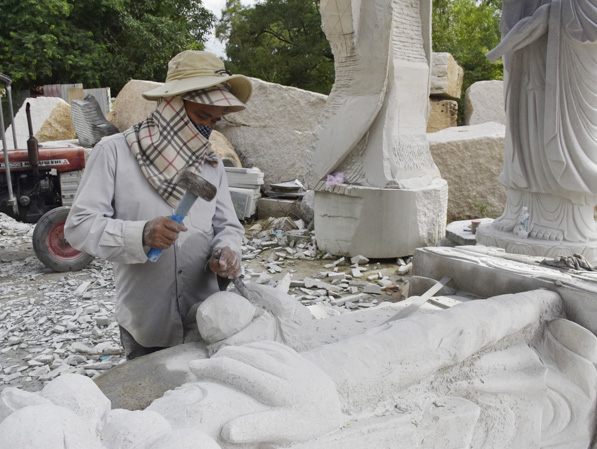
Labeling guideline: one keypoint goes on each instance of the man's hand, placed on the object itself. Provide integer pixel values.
(161, 232)
(225, 263)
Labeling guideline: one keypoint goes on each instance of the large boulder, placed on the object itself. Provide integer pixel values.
(280, 153)
(58, 125)
(471, 158)
(484, 102)
(41, 109)
(129, 106)
(274, 133)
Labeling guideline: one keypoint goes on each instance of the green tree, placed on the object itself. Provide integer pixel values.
(39, 44)
(468, 29)
(279, 41)
(96, 42)
(147, 34)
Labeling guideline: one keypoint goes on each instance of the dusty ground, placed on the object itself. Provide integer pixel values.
(63, 322)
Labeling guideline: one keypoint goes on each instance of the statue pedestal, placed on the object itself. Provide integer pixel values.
(380, 223)
(488, 235)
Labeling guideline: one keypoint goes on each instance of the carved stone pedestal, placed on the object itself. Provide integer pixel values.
(488, 235)
(380, 223)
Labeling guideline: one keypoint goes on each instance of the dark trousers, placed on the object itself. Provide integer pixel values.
(132, 349)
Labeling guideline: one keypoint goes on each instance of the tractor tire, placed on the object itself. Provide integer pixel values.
(50, 246)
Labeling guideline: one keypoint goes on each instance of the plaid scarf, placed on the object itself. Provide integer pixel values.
(164, 144)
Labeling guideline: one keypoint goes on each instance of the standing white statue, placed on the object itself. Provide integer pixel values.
(549, 51)
(371, 167)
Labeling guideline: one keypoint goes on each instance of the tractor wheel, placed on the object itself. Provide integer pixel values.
(50, 246)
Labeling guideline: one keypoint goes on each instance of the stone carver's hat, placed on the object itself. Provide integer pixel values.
(193, 70)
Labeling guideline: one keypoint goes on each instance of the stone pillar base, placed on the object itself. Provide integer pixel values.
(488, 235)
(380, 223)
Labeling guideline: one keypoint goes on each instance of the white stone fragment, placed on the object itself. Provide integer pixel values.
(359, 260)
(92, 309)
(372, 289)
(81, 288)
(349, 299)
(102, 320)
(356, 273)
(405, 268)
(284, 283)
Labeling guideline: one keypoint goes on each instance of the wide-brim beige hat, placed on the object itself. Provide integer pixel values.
(192, 70)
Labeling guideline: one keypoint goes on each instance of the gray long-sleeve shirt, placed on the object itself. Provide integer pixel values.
(112, 205)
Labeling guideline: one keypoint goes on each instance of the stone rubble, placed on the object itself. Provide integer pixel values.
(63, 325)
(344, 284)
(57, 323)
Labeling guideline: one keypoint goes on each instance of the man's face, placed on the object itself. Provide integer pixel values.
(203, 114)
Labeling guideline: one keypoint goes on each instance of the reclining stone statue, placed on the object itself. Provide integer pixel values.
(507, 372)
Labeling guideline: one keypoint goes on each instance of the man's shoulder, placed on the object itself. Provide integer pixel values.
(113, 141)
(114, 144)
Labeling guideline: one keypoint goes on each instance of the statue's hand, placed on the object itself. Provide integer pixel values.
(303, 400)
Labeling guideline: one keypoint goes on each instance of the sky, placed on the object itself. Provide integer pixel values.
(213, 45)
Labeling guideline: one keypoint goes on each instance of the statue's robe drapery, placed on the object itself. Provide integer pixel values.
(551, 103)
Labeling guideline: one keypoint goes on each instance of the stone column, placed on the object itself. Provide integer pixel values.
(386, 197)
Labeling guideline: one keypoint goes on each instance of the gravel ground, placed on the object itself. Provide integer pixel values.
(52, 323)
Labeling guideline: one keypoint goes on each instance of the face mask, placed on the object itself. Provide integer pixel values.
(205, 131)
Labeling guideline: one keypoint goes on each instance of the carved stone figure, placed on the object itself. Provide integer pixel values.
(506, 372)
(549, 50)
(371, 167)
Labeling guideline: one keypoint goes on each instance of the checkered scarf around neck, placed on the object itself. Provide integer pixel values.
(165, 143)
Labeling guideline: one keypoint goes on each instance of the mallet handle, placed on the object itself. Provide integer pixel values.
(181, 211)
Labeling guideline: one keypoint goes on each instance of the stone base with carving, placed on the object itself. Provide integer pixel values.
(488, 235)
(380, 223)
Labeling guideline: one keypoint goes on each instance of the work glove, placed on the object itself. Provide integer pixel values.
(225, 263)
(161, 232)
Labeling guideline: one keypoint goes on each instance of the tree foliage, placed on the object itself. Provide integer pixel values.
(468, 29)
(279, 41)
(96, 42)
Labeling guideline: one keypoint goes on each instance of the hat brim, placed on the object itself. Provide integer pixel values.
(240, 86)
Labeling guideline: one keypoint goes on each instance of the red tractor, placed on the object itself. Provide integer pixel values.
(37, 185)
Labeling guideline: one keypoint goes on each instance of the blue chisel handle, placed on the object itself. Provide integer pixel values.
(181, 211)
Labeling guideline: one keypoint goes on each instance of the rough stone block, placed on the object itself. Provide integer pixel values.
(58, 125)
(280, 153)
(471, 158)
(484, 102)
(276, 106)
(442, 114)
(446, 76)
